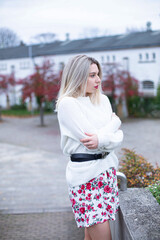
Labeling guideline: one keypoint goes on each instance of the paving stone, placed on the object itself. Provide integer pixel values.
(40, 226)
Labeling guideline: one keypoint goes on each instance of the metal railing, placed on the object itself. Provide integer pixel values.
(123, 181)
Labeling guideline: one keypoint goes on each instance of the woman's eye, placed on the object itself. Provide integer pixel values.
(92, 75)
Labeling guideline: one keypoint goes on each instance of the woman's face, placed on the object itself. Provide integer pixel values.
(93, 81)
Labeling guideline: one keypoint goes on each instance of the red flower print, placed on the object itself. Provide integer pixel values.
(112, 200)
(89, 194)
(80, 199)
(87, 220)
(97, 197)
(83, 191)
(92, 180)
(88, 198)
(79, 220)
(99, 205)
(82, 219)
(101, 178)
(114, 172)
(83, 204)
(82, 187)
(89, 207)
(93, 188)
(82, 210)
(79, 191)
(88, 186)
(108, 208)
(108, 174)
(73, 201)
(100, 184)
(107, 189)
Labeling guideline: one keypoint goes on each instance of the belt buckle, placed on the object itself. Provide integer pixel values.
(104, 154)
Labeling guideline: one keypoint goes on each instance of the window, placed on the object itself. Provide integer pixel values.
(102, 59)
(3, 66)
(24, 65)
(12, 68)
(147, 84)
(61, 66)
(154, 56)
(126, 63)
(147, 56)
(140, 57)
(114, 58)
(108, 58)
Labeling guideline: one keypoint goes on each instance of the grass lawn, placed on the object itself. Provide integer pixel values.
(20, 113)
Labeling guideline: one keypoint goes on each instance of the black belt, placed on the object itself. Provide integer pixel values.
(83, 157)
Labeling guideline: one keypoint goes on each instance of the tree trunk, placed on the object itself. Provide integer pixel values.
(29, 106)
(0, 114)
(41, 114)
(8, 102)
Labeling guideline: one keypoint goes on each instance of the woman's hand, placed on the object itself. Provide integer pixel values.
(91, 142)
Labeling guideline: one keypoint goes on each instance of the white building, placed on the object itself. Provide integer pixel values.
(138, 52)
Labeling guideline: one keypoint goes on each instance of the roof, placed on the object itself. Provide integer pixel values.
(116, 42)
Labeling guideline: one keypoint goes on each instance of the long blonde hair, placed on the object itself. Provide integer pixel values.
(74, 78)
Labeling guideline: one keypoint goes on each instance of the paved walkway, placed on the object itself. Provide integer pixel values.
(32, 176)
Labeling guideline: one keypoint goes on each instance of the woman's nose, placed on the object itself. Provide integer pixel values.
(98, 80)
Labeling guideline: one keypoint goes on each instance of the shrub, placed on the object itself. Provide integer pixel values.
(138, 171)
(18, 107)
(142, 106)
(155, 190)
(158, 97)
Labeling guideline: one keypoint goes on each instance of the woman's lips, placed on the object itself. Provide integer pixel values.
(96, 87)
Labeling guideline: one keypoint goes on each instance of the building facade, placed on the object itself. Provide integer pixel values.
(138, 52)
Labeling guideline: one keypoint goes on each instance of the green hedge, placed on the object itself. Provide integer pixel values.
(143, 107)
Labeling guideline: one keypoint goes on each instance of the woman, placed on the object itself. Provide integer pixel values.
(89, 134)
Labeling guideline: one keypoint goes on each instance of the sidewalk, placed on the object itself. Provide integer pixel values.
(34, 201)
(40, 226)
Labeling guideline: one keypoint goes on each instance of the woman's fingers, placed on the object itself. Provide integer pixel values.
(91, 142)
(89, 134)
(85, 140)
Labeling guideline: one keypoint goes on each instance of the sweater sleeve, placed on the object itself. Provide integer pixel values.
(72, 121)
(74, 124)
(111, 130)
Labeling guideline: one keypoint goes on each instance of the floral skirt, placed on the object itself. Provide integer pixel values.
(95, 201)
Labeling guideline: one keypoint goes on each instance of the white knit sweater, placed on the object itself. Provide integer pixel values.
(77, 116)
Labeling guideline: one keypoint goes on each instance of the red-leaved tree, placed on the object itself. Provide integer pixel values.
(44, 83)
(119, 84)
(6, 81)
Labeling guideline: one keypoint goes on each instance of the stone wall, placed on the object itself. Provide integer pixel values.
(138, 217)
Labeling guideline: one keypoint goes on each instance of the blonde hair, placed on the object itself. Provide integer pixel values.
(74, 78)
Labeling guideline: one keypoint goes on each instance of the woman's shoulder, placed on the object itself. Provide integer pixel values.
(67, 101)
(104, 98)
